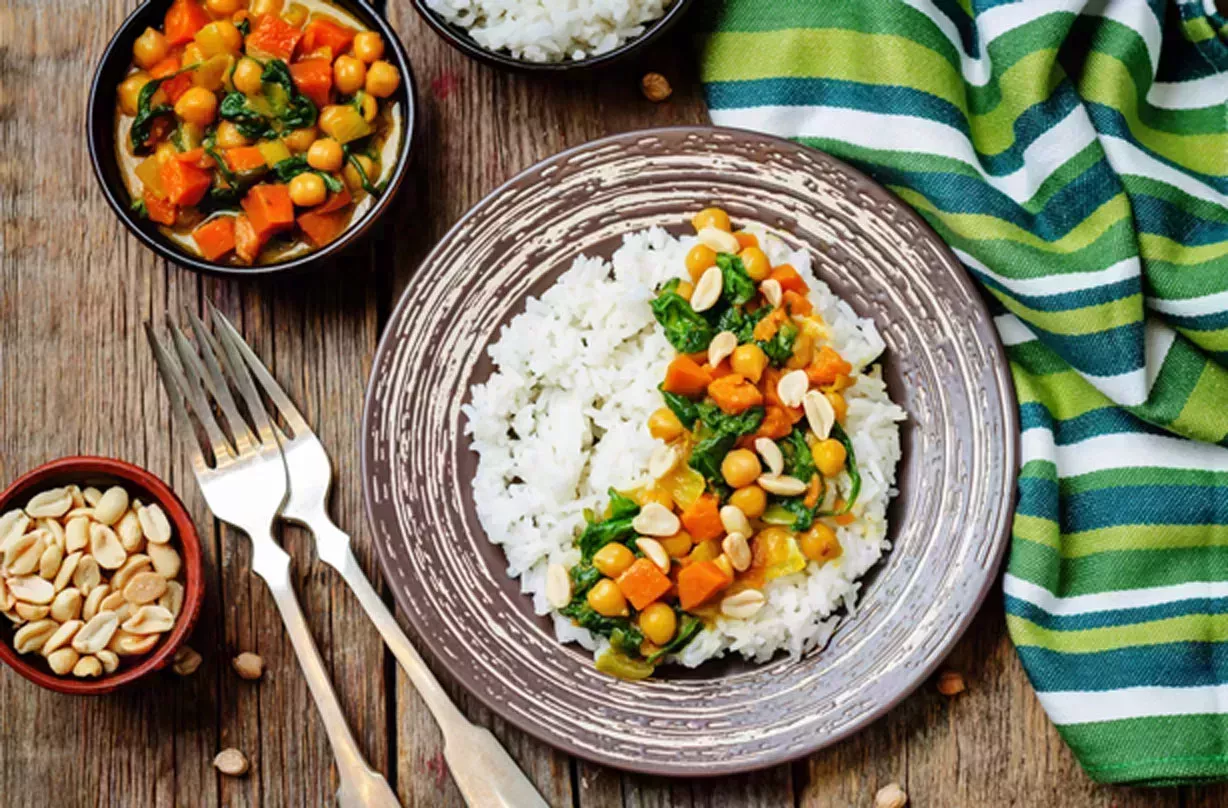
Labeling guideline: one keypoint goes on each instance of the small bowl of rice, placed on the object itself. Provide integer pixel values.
(550, 36)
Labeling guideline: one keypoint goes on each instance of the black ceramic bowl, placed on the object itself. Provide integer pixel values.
(462, 41)
(101, 121)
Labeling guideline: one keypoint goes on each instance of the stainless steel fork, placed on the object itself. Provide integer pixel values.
(246, 486)
(484, 772)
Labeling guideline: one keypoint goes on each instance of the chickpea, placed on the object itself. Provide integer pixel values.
(664, 425)
(224, 7)
(325, 155)
(803, 352)
(246, 77)
(307, 190)
(740, 468)
(232, 38)
(838, 404)
(382, 79)
(300, 140)
(130, 91)
(751, 500)
(699, 258)
(149, 49)
(658, 622)
(658, 495)
(678, 545)
(349, 75)
(607, 599)
(229, 137)
(750, 361)
(368, 46)
(684, 290)
(756, 263)
(259, 7)
(613, 559)
(369, 106)
(829, 457)
(711, 217)
(368, 168)
(819, 543)
(198, 106)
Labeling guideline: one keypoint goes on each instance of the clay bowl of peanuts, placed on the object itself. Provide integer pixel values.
(100, 574)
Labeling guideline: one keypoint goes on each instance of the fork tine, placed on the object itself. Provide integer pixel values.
(243, 380)
(215, 379)
(175, 386)
(285, 407)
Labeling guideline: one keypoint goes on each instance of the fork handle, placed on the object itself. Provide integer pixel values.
(361, 786)
(484, 772)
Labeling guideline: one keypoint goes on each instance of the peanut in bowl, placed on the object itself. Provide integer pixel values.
(96, 538)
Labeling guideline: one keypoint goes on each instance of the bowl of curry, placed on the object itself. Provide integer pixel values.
(251, 136)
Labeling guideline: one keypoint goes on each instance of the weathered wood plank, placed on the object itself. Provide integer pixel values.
(478, 127)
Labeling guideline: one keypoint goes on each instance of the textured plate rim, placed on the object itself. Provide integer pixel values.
(1010, 448)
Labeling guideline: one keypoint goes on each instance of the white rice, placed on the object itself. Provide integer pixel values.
(551, 30)
(563, 419)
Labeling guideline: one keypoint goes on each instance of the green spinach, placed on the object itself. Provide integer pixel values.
(250, 123)
(803, 515)
(688, 628)
(736, 286)
(353, 160)
(839, 434)
(684, 328)
(780, 347)
(138, 207)
(716, 434)
(628, 637)
(683, 407)
(291, 167)
(142, 124)
(740, 322)
(583, 578)
(617, 527)
(245, 26)
(799, 462)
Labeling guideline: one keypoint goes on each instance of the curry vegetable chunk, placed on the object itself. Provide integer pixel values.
(253, 132)
(752, 455)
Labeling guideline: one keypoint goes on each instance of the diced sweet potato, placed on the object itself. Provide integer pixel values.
(643, 583)
(703, 519)
(698, 582)
(686, 378)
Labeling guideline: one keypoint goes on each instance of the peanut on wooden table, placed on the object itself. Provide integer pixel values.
(88, 578)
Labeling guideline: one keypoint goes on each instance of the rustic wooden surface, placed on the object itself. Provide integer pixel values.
(76, 377)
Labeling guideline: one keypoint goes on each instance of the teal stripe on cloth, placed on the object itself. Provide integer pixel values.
(1076, 160)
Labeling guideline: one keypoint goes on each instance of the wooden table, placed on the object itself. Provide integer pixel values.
(76, 377)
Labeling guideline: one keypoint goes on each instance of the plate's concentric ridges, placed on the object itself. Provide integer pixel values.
(944, 365)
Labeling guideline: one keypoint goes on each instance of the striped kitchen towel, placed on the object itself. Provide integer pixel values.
(1074, 154)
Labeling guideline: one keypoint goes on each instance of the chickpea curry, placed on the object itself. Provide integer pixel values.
(754, 471)
(256, 132)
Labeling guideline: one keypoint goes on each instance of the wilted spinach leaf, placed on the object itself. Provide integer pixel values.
(291, 167)
(803, 516)
(600, 532)
(741, 323)
(145, 115)
(688, 628)
(780, 347)
(736, 286)
(716, 434)
(628, 637)
(799, 462)
(839, 434)
(683, 327)
(250, 123)
(683, 407)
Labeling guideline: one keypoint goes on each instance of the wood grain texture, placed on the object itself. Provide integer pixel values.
(75, 376)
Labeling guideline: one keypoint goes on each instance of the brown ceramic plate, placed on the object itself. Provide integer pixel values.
(943, 365)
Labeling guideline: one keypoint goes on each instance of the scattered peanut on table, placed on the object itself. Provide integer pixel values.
(951, 683)
(890, 796)
(249, 666)
(655, 87)
(231, 762)
(88, 577)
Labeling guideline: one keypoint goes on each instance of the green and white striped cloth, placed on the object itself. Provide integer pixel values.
(1075, 156)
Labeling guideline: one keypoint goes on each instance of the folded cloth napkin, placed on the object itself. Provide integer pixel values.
(1074, 155)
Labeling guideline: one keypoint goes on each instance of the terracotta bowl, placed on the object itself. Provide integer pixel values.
(948, 526)
(102, 472)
